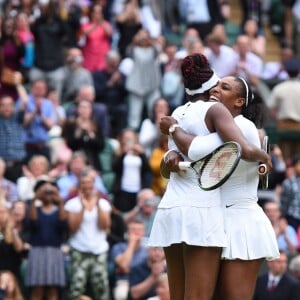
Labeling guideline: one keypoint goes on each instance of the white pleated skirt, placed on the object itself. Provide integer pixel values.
(250, 234)
(191, 225)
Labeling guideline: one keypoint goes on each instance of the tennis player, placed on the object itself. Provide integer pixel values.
(189, 222)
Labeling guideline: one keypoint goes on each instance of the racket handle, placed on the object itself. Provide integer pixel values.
(183, 165)
(262, 169)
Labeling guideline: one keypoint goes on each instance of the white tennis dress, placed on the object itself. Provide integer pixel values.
(186, 213)
(249, 232)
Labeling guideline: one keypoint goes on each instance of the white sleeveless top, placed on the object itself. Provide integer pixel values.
(183, 188)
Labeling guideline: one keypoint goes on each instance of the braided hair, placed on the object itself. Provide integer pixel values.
(195, 70)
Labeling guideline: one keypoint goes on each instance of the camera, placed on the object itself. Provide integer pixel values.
(49, 191)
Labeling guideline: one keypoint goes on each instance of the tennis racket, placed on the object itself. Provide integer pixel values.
(215, 168)
(262, 168)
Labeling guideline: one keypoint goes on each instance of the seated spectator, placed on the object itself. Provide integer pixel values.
(89, 221)
(294, 267)
(132, 172)
(37, 167)
(100, 113)
(76, 75)
(286, 234)
(83, 133)
(68, 183)
(276, 283)
(9, 286)
(45, 270)
(110, 89)
(8, 189)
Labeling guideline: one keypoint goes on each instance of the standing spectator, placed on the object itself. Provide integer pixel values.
(149, 132)
(97, 33)
(202, 16)
(37, 167)
(38, 120)
(48, 225)
(76, 75)
(26, 37)
(12, 148)
(68, 183)
(12, 53)
(89, 220)
(128, 23)
(290, 195)
(49, 31)
(11, 244)
(9, 286)
(84, 134)
(277, 283)
(8, 189)
(110, 90)
(143, 83)
(132, 171)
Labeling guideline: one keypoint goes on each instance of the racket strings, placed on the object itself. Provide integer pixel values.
(218, 166)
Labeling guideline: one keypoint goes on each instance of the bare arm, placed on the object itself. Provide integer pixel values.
(75, 219)
(104, 220)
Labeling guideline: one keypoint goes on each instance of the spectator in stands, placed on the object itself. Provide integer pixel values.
(222, 58)
(110, 89)
(159, 183)
(149, 133)
(277, 283)
(8, 189)
(126, 255)
(38, 120)
(144, 210)
(285, 233)
(9, 286)
(11, 244)
(100, 113)
(201, 17)
(49, 29)
(132, 171)
(144, 276)
(283, 104)
(37, 167)
(257, 38)
(128, 23)
(12, 148)
(89, 220)
(294, 267)
(143, 83)
(84, 134)
(68, 184)
(97, 33)
(162, 288)
(26, 37)
(75, 75)
(45, 270)
(12, 53)
(290, 195)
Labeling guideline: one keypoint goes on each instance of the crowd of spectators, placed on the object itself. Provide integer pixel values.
(83, 85)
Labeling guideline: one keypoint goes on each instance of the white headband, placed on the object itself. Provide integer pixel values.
(205, 86)
(247, 90)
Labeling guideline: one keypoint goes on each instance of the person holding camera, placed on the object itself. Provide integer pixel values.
(48, 224)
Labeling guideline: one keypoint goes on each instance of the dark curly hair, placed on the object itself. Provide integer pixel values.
(255, 110)
(195, 71)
